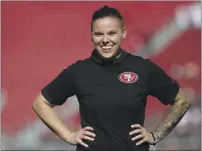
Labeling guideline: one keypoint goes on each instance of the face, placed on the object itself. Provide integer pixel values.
(107, 35)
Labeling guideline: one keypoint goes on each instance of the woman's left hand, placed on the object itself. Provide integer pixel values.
(140, 133)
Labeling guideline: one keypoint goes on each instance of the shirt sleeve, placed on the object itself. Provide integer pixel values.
(160, 85)
(60, 88)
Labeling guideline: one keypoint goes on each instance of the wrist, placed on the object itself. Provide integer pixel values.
(154, 139)
(67, 137)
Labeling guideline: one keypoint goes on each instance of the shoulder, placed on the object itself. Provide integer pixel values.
(132, 58)
(78, 64)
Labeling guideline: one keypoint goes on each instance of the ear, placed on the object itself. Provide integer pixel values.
(91, 35)
(124, 33)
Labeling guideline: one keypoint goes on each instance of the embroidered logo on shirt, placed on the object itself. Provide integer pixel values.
(128, 77)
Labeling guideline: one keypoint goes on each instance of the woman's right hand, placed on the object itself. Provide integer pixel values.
(77, 137)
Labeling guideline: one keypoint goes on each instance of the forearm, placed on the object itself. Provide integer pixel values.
(175, 114)
(51, 119)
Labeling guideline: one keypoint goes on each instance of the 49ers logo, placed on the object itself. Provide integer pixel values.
(128, 77)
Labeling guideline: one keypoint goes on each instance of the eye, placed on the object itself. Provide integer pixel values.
(112, 33)
(98, 34)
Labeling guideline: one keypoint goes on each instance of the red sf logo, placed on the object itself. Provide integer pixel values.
(128, 77)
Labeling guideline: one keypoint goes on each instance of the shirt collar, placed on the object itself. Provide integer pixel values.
(116, 59)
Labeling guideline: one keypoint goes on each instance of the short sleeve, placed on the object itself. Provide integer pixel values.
(160, 85)
(60, 88)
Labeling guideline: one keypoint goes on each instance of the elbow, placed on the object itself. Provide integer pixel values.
(40, 102)
(184, 103)
(187, 104)
(35, 105)
(182, 100)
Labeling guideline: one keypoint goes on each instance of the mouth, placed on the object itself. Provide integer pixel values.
(106, 48)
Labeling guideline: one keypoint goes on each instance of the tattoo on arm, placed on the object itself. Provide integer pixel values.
(175, 114)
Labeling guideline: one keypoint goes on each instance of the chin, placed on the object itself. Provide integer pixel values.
(107, 55)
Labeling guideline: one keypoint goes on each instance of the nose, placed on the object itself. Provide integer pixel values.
(105, 39)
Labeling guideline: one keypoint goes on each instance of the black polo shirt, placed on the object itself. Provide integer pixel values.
(112, 96)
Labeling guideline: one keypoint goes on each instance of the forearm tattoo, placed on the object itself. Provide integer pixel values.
(175, 114)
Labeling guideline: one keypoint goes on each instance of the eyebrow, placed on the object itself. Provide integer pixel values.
(97, 32)
(111, 31)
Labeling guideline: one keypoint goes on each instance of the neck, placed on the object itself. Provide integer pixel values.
(115, 56)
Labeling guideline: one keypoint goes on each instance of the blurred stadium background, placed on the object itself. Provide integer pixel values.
(39, 39)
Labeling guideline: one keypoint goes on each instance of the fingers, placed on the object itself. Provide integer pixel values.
(136, 126)
(87, 135)
(87, 132)
(142, 141)
(137, 137)
(88, 138)
(137, 131)
(88, 128)
(82, 143)
(140, 133)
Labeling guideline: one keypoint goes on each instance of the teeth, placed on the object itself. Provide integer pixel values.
(107, 47)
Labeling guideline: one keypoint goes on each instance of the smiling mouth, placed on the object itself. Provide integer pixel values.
(106, 47)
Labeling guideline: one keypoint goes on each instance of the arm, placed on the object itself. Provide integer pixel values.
(164, 88)
(175, 114)
(45, 112)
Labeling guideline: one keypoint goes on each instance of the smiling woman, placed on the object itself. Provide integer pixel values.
(112, 86)
(107, 32)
